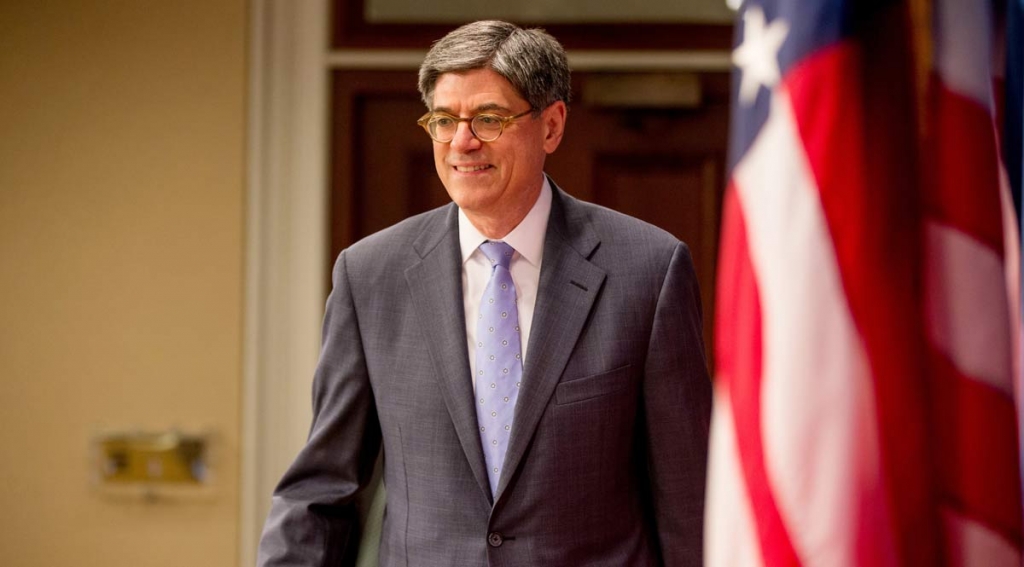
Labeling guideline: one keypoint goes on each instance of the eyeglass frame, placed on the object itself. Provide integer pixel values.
(424, 122)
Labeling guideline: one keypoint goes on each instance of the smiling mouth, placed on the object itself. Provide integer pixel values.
(470, 168)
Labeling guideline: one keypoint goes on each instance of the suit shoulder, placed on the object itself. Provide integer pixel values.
(618, 229)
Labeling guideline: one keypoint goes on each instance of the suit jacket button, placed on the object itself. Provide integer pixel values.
(494, 539)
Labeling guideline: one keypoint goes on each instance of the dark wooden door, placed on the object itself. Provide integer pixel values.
(665, 165)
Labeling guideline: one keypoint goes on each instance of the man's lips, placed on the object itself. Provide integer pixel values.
(470, 168)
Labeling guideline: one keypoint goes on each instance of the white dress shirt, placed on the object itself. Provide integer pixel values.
(528, 241)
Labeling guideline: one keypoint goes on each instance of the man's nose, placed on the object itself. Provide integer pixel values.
(464, 139)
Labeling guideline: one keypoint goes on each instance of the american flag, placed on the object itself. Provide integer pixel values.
(866, 330)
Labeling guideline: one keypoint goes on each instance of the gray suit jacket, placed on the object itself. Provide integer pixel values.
(606, 463)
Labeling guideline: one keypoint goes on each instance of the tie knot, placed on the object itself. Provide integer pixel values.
(499, 253)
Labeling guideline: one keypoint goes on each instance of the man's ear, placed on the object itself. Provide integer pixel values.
(554, 125)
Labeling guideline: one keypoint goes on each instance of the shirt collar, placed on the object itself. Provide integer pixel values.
(527, 237)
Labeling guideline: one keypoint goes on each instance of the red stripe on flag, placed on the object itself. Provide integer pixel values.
(965, 168)
(738, 350)
(976, 446)
(869, 195)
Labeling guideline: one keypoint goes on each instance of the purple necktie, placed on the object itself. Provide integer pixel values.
(499, 361)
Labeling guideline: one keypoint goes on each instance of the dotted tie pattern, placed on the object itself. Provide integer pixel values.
(499, 361)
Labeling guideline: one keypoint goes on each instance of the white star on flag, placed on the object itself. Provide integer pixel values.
(758, 55)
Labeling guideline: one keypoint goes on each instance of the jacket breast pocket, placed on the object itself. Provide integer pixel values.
(588, 387)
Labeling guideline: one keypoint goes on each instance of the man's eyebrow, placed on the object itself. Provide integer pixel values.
(491, 106)
(487, 107)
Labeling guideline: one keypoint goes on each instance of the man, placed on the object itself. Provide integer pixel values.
(532, 365)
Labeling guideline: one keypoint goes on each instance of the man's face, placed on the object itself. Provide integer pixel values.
(499, 179)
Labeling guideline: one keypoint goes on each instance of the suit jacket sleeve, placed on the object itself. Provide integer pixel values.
(313, 520)
(677, 410)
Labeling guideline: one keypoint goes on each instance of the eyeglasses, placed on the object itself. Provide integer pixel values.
(486, 127)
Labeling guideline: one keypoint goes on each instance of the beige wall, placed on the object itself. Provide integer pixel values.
(122, 137)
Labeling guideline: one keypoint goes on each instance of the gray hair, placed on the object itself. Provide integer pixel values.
(531, 59)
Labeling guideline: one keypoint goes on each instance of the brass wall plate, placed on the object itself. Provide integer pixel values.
(155, 462)
(153, 457)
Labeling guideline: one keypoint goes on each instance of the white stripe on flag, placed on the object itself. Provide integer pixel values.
(970, 543)
(730, 536)
(961, 61)
(966, 302)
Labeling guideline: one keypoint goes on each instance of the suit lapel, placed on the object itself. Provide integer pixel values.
(435, 283)
(569, 284)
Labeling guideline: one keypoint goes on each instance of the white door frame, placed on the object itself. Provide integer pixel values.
(286, 245)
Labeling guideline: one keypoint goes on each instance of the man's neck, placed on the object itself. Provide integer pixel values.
(496, 228)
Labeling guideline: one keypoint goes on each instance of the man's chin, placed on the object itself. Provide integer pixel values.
(468, 190)
(471, 199)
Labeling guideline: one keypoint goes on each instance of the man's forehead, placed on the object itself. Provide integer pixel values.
(480, 89)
